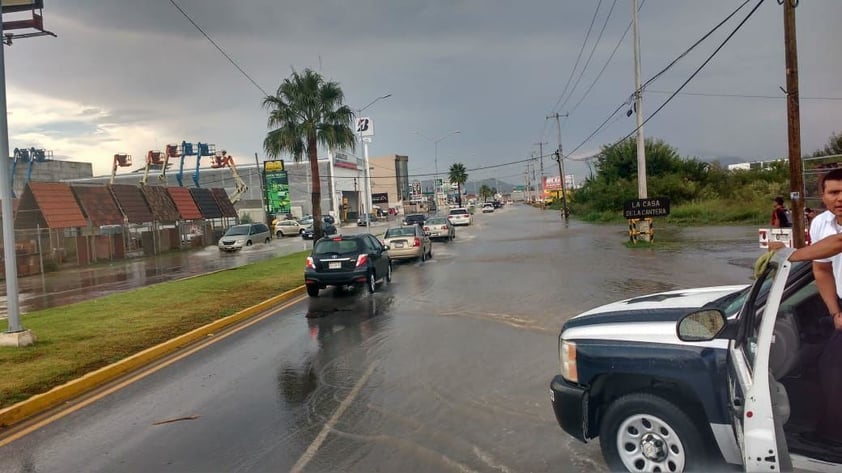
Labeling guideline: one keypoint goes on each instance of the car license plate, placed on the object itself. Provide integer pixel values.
(398, 245)
(334, 265)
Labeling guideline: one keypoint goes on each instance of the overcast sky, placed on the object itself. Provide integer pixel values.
(129, 76)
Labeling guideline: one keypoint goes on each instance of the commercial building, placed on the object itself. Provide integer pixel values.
(389, 180)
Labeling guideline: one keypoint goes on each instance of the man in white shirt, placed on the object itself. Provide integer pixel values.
(828, 275)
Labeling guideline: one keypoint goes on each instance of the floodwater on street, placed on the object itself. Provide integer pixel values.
(445, 369)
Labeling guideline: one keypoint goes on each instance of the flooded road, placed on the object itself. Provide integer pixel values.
(445, 369)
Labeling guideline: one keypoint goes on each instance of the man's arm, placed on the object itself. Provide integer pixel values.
(826, 283)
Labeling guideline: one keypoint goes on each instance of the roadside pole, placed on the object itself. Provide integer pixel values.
(266, 219)
(16, 334)
(793, 116)
(559, 156)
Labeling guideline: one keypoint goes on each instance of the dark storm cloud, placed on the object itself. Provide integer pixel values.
(493, 69)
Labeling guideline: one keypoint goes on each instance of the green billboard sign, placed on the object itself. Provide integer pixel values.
(276, 185)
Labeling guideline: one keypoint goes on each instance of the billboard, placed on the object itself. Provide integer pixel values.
(380, 198)
(276, 185)
(553, 183)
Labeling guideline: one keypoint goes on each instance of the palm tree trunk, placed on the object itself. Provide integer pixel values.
(459, 193)
(316, 194)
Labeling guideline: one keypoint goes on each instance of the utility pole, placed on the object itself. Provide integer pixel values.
(559, 156)
(541, 155)
(638, 106)
(793, 118)
(266, 218)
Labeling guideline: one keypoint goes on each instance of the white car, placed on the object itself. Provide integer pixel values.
(288, 227)
(459, 216)
(487, 208)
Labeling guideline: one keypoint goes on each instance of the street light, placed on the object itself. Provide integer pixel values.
(436, 157)
(365, 157)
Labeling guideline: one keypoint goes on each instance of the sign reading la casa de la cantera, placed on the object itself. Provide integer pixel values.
(643, 208)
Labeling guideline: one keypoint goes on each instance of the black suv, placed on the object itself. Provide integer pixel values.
(343, 260)
(415, 219)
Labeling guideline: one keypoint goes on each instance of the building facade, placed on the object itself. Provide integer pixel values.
(389, 180)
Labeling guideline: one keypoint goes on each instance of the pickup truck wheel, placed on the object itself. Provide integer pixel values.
(389, 272)
(312, 290)
(644, 432)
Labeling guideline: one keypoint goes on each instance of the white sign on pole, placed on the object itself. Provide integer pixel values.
(766, 235)
(365, 127)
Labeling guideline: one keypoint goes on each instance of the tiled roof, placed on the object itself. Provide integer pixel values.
(161, 204)
(48, 204)
(206, 203)
(224, 203)
(132, 203)
(98, 204)
(184, 203)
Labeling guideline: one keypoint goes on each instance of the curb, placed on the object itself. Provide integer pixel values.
(67, 391)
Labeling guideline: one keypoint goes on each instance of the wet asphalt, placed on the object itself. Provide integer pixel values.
(445, 369)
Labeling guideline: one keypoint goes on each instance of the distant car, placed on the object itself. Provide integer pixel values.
(408, 242)
(487, 207)
(497, 204)
(440, 227)
(347, 260)
(307, 233)
(246, 234)
(288, 227)
(414, 219)
(460, 216)
(361, 222)
(306, 220)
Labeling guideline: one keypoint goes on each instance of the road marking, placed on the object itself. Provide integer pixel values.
(319, 440)
(96, 396)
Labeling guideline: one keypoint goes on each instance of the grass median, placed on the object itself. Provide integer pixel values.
(79, 338)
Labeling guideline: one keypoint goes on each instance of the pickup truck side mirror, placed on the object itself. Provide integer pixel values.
(701, 326)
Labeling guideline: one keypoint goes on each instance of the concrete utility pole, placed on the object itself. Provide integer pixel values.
(793, 118)
(541, 155)
(559, 156)
(638, 106)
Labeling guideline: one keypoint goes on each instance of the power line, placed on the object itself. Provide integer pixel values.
(692, 76)
(579, 57)
(590, 56)
(743, 96)
(662, 71)
(230, 59)
(604, 66)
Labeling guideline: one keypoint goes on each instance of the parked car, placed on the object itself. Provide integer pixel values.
(441, 228)
(460, 216)
(307, 233)
(361, 222)
(247, 234)
(344, 260)
(327, 228)
(414, 219)
(306, 220)
(408, 242)
(685, 379)
(288, 227)
(487, 207)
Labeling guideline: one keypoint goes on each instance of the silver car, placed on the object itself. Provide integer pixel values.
(408, 242)
(288, 227)
(246, 234)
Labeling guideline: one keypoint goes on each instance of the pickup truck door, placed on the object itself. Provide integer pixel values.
(753, 393)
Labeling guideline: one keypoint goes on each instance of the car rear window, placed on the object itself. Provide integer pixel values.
(399, 232)
(458, 212)
(336, 246)
(437, 221)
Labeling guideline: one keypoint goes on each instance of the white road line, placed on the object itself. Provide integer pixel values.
(319, 440)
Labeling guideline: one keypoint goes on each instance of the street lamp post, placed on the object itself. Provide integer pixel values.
(365, 142)
(436, 157)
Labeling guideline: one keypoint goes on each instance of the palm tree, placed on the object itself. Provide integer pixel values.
(459, 176)
(305, 112)
(485, 192)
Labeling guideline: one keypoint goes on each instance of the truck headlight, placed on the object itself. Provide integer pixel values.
(567, 357)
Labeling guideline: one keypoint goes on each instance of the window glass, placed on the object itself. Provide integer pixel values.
(334, 246)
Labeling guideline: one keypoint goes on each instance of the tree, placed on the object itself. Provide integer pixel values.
(305, 112)
(485, 192)
(833, 146)
(459, 176)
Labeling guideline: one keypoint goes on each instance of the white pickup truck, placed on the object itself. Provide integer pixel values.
(696, 379)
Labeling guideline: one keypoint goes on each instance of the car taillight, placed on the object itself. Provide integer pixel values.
(426, 229)
(444, 227)
(417, 242)
(310, 263)
(361, 260)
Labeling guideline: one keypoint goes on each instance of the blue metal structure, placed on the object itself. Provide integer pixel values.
(39, 155)
(186, 150)
(203, 149)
